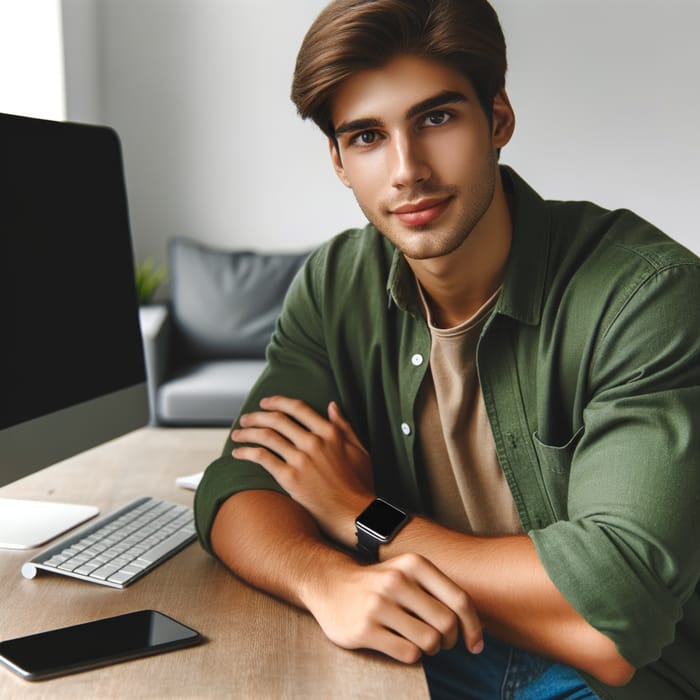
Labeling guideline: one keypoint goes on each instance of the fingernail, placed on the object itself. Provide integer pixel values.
(478, 647)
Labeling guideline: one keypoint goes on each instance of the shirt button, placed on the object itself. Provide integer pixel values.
(417, 360)
(405, 428)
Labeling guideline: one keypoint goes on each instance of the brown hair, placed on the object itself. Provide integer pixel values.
(353, 35)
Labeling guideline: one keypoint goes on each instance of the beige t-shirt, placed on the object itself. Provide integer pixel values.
(468, 487)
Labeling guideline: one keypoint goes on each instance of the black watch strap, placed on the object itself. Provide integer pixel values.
(367, 547)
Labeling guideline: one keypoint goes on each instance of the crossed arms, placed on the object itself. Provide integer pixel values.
(621, 545)
(431, 584)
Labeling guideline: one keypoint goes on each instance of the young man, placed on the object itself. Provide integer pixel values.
(518, 379)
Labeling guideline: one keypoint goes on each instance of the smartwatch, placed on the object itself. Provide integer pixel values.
(377, 524)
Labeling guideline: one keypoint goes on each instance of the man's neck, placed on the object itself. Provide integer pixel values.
(457, 285)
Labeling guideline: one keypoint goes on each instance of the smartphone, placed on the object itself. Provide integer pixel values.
(91, 644)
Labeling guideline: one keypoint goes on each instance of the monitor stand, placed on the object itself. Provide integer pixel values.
(30, 524)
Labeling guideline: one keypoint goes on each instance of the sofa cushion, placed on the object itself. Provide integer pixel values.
(207, 393)
(225, 303)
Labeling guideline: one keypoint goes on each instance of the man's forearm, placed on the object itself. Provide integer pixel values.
(515, 597)
(252, 533)
(403, 608)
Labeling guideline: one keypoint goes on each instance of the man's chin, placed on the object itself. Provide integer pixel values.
(428, 245)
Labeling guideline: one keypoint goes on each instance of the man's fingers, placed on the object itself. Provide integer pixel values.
(443, 589)
(277, 467)
(472, 629)
(395, 646)
(298, 410)
(428, 627)
(297, 422)
(267, 438)
(431, 625)
(292, 418)
(274, 421)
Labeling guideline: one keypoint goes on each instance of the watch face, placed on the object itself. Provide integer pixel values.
(381, 518)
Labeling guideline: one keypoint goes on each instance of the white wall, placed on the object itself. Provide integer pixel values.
(607, 98)
(214, 150)
(605, 91)
(82, 59)
(31, 59)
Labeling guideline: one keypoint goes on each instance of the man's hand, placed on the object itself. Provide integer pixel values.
(319, 462)
(403, 607)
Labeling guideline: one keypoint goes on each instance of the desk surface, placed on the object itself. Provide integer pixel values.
(257, 647)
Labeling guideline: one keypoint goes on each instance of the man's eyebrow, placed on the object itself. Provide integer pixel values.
(445, 97)
(356, 125)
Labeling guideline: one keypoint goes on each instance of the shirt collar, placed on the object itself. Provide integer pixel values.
(401, 286)
(524, 280)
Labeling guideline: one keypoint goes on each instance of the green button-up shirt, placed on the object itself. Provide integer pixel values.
(590, 370)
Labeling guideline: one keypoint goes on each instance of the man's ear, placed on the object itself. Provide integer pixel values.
(503, 119)
(337, 161)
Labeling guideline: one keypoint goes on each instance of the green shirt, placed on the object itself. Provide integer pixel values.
(590, 370)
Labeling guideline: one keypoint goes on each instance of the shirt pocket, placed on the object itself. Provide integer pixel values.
(555, 466)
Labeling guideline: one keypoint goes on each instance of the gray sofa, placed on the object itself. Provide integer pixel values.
(206, 347)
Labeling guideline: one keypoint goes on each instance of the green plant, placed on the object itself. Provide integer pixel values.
(148, 278)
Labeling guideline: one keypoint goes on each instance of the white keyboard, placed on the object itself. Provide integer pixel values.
(120, 547)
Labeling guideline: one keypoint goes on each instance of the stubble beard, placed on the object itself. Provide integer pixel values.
(432, 240)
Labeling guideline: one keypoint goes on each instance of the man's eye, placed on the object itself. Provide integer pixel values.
(436, 118)
(365, 138)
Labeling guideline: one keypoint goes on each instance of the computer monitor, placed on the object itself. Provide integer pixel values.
(72, 371)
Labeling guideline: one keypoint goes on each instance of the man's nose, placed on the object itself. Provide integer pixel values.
(409, 164)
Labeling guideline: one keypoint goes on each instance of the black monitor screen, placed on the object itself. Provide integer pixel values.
(68, 310)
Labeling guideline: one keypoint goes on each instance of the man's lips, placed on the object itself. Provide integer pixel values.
(422, 212)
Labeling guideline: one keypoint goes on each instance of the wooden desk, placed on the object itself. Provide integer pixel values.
(257, 647)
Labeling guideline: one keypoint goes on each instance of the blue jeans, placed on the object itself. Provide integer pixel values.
(501, 672)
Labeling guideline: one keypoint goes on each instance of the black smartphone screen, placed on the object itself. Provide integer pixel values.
(92, 644)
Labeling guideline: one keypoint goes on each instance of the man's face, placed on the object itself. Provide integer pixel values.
(419, 153)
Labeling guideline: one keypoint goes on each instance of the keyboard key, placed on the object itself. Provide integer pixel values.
(120, 577)
(105, 571)
(159, 550)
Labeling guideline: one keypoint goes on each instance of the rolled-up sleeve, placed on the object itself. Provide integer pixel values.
(627, 557)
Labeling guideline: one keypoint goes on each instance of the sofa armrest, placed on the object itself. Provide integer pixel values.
(156, 330)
